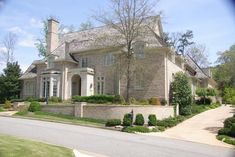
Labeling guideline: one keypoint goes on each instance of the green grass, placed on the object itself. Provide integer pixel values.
(1, 109)
(62, 118)
(226, 139)
(133, 129)
(16, 147)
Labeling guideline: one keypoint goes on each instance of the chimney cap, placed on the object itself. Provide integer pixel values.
(53, 19)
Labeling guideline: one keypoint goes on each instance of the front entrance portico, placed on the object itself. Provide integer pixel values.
(80, 82)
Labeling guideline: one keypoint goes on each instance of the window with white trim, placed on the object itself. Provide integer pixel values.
(45, 87)
(139, 80)
(100, 85)
(109, 59)
(55, 87)
(138, 49)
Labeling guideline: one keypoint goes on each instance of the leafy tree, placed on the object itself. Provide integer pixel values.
(9, 82)
(181, 93)
(179, 41)
(41, 43)
(224, 72)
(86, 25)
(128, 18)
(205, 92)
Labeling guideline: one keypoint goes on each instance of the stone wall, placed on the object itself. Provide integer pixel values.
(60, 109)
(97, 111)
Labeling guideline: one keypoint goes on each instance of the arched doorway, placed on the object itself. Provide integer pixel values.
(76, 85)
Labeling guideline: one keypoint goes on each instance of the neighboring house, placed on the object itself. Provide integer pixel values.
(90, 62)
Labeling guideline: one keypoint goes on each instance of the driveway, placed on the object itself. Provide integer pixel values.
(201, 128)
(107, 142)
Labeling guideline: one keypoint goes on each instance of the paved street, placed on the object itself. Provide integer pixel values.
(106, 142)
(201, 128)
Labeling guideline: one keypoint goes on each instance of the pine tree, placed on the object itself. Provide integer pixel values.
(9, 82)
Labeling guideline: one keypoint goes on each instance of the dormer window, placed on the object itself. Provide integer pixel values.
(138, 49)
(50, 61)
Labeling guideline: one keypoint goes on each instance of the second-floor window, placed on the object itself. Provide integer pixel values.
(139, 50)
(109, 59)
(84, 62)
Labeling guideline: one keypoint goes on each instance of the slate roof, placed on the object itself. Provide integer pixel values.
(30, 73)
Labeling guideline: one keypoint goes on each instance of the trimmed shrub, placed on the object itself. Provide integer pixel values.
(144, 102)
(127, 120)
(232, 132)
(99, 99)
(171, 121)
(133, 129)
(42, 99)
(7, 104)
(154, 101)
(181, 93)
(228, 122)
(30, 99)
(139, 119)
(133, 101)
(152, 120)
(163, 102)
(55, 99)
(119, 99)
(34, 106)
(224, 131)
(113, 122)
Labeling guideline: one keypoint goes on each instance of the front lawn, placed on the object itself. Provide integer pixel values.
(62, 118)
(16, 147)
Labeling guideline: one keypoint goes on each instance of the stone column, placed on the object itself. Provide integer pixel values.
(78, 109)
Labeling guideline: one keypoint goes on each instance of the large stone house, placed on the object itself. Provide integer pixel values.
(89, 62)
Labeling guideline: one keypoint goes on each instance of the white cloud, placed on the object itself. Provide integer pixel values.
(3, 49)
(36, 23)
(27, 42)
(16, 30)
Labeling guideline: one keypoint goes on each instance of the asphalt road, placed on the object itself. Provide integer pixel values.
(107, 142)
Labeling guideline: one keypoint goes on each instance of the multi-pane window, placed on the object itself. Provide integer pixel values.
(45, 87)
(29, 88)
(55, 87)
(84, 62)
(100, 85)
(139, 49)
(109, 59)
(139, 80)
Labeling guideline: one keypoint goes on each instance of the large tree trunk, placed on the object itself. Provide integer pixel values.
(128, 80)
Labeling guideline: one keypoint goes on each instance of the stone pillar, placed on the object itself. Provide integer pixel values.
(177, 110)
(78, 109)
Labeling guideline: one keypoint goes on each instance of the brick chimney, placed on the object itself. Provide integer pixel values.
(52, 36)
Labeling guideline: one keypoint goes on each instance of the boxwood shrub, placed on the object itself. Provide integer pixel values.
(99, 99)
(224, 131)
(152, 120)
(139, 119)
(34, 106)
(127, 120)
(132, 129)
(55, 99)
(113, 122)
(232, 132)
(228, 122)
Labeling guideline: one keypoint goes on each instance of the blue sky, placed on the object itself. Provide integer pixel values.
(212, 21)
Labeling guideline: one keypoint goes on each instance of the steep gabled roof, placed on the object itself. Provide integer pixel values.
(30, 73)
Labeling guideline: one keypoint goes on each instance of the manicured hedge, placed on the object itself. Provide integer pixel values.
(132, 129)
(139, 120)
(99, 99)
(127, 120)
(152, 120)
(228, 122)
(113, 122)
